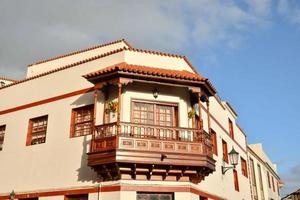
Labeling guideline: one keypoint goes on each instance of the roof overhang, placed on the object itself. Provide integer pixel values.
(151, 75)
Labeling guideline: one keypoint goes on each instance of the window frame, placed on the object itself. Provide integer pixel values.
(261, 187)
(269, 179)
(273, 185)
(31, 129)
(67, 197)
(231, 129)
(236, 180)
(244, 168)
(214, 142)
(175, 110)
(171, 194)
(225, 151)
(74, 113)
(2, 135)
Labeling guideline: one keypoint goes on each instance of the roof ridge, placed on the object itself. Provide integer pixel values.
(80, 51)
(165, 54)
(66, 67)
(8, 79)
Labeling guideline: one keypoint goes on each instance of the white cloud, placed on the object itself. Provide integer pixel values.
(290, 10)
(32, 30)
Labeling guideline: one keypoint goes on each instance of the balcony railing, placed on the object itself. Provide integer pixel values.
(191, 139)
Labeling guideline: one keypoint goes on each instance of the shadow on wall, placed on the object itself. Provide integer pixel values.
(84, 99)
(86, 173)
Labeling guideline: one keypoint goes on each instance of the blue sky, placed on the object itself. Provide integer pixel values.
(248, 48)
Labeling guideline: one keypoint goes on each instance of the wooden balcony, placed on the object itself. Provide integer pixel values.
(149, 152)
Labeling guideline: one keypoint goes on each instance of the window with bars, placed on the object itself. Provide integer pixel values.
(82, 121)
(37, 130)
(225, 151)
(2, 132)
(236, 180)
(155, 196)
(244, 167)
(214, 142)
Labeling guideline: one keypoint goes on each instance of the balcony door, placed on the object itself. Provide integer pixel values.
(155, 119)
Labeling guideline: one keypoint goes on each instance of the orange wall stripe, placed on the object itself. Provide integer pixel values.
(115, 189)
(44, 101)
(222, 127)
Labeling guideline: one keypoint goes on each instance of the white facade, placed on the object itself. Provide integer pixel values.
(268, 185)
(59, 167)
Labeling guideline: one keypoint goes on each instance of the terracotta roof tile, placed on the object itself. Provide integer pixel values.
(64, 67)
(138, 69)
(80, 51)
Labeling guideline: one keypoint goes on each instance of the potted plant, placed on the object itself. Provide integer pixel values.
(192, 113)
(112, 107)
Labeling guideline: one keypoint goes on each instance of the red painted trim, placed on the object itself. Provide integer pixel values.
(222, 127)
(44, 101)
(115, 188)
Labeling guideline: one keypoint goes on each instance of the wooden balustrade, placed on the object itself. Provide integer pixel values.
(176, 138)
(149, 152)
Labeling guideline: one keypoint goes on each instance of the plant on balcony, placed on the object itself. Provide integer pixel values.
(192, 113)
(112, 107)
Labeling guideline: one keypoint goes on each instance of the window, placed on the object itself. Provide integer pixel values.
(269, 181)
(155, 196)
(273, 184)
(203, 198)
(154, 113)
(77, 197)
(143, 113)
(36, 198)
(253, 179)
(236, 180)
(261, 187)
(2, 132)
(82, 121)
(37, 130)
(214, 142)
(231, 133)
(225, 151)
(278, 192)
(244, 167)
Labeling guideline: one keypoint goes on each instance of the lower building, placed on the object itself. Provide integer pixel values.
(264, 179)
(293, 196)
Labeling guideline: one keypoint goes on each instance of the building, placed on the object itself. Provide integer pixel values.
(265, 181)
(116, 122)
(5, 81)
(293, 196)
